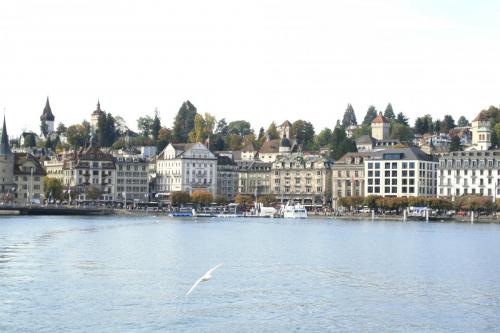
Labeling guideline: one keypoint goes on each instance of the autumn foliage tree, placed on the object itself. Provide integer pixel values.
(202, 197)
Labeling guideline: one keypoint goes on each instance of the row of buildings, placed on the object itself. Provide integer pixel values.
(280, 168)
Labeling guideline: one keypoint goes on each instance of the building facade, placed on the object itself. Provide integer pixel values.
(400, 172)
(186, 167)
(227, 177)
(132, 178)
(348, 174)
(304, 179)
(469, 172)
(89, 170)
(254, 176)
(28, 177)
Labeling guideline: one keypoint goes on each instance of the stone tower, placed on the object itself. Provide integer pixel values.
(95, 117)
(6, 167)
(380, 127)
(481, 132)
(48, 117)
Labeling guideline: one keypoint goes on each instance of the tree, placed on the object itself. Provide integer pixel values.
(29, 140)
(462, 122)
(93, 192)
(221, 131)
(164, 138)
(221, 200)
(240, 127)
(371, 113)
(349, 117)
(272, 131)
(324, 138)
(53, 188)
(243, 199)
(145, 125)
(180, 198)
(155, 127)
(424, 125)
(233, 142)
(61, 129)
(262, 136)
(197, 134)
(448, 123)
(402, 119)
(106, 131)
(455, 144)
(267, 199)
(202, 197)
(341, 144)
(401, 132)
(389, 113)
(183, 122)
(120, 125)
(304, 132)
(77, 135)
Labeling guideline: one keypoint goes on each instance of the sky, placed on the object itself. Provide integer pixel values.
(261, 61)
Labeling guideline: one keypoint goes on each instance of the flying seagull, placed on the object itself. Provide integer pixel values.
(206, 277)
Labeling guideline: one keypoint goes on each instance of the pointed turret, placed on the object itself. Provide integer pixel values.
(4, 143)
(47, 112)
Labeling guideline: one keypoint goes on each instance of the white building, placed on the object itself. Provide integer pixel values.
(400, 172)
(470, 172)
(186, 167)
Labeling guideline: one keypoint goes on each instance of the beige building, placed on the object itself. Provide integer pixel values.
(304, 179)
(54, 167)
(90, 168)
(348, 177)
(28, 177)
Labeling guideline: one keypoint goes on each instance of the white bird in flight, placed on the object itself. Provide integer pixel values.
(206, 277)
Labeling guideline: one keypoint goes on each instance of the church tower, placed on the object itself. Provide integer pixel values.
(6, 166)
(48, 117)
(380, 127)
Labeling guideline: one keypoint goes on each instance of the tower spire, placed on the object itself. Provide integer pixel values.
(4, 142)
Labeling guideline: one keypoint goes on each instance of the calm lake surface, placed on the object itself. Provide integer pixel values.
(122, 274)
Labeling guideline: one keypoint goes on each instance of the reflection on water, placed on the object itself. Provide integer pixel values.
(131, 274)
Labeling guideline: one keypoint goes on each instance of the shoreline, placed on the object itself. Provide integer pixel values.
(82, 211)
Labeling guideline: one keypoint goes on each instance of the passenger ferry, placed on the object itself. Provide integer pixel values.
(294, 211)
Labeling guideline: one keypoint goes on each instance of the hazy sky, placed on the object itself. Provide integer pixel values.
(255, 60)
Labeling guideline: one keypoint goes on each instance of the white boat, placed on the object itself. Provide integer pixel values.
(263, 211)
(294, 211)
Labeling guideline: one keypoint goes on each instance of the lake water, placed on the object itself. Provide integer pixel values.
(122, 274)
